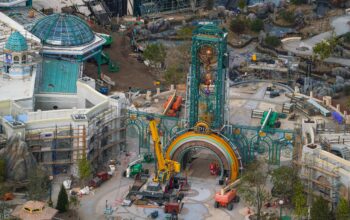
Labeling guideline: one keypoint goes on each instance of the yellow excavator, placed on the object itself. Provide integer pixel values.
(165, 168)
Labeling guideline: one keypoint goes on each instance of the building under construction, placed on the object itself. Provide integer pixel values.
(150, 7)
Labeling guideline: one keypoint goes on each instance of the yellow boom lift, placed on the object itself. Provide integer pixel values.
(165, 168)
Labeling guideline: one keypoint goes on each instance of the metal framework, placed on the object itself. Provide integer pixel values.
(149, 7)
(208, 76)
(206, 101)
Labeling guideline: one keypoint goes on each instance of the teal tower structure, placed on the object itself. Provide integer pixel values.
(207, 80)
(67, 42)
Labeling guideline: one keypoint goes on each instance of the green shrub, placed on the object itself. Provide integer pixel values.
(238, 25)
(256, 25)
(347, 37)
(2, 170)
(185, 32)
(272, 41)
(298, 2)
(288, 16)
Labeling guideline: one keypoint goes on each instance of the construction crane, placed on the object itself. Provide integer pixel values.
(165, 168)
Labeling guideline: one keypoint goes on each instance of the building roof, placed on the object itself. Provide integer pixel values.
(63, 30)
(10, 3)
(17, 89)
(16, 42)
(34, 210)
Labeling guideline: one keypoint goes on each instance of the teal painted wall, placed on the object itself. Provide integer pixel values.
(59, 76)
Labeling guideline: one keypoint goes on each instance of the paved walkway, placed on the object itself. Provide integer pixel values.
(340, 25)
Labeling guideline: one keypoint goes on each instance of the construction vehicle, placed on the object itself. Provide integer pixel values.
(134, 168)
(214, 168)
(227, 196)
(173, 207)
(165, 168)
(173, 105)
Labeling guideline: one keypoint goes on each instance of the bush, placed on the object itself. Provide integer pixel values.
(241, 4)
(288, 16)
(272, 41)
(2, 170)
(238, 25)
(347, 37)
(346, 90)
(174, 75)
(209, 4)
(298, 2)
(185, 32)
(256, 25)
(155, 53)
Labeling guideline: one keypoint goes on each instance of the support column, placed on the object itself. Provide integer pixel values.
(29, 2)
(98, 60)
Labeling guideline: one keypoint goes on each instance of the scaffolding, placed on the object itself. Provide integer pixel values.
(59, 147)
(321, 178)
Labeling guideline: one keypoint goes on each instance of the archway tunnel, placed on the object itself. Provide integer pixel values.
(182, 147)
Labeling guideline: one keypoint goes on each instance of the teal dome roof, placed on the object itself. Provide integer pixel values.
(63, 30)
(16, 42)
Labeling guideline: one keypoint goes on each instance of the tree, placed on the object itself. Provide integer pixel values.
(288, 16)
(252, 187)
(298, 2)
(283, 179)
(62, 200)
(241, 4)
(209, 4)
(322, 50)
(320, 210)
(174, 75)
(325, 48)
(238, 25)
(343, 210)
(347, 37)
(346, 90)
(299, 200)
(84, 167)
(2, 170)
(155, 53)
(39, 184)
(4, 207)
(272, 41)
(256, 25)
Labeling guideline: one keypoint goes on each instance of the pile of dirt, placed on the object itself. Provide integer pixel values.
(132, 73)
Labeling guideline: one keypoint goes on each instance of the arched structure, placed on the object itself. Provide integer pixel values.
(223, 149)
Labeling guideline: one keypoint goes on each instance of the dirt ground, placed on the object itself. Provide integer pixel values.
(132, 73)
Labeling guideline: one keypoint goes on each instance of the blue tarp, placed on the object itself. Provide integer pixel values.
(337, 116)
(8, 118)
(23, 118)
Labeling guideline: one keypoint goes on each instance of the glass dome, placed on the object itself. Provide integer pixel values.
(63, 30)
(16, 42)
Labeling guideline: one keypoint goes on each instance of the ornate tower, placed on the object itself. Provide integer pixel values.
(207, 79)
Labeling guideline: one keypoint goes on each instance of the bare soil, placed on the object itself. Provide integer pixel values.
(132, 73)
